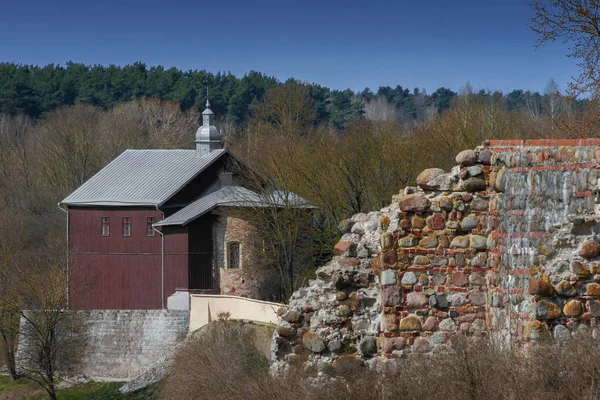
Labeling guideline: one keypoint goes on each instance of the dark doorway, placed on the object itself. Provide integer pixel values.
(200, 270)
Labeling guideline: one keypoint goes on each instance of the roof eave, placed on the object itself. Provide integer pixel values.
(109, 204)
(184, 222)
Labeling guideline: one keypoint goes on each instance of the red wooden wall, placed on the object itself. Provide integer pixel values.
(116, 272)
(176, 259)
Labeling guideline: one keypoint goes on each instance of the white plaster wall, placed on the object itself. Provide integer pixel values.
(205, 308)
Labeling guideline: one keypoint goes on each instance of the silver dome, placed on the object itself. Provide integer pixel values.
(208, 137)
(207, 134)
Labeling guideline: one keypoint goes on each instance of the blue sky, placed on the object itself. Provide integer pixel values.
(340, 44)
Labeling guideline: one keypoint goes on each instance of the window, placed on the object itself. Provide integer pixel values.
(149, 229)
(105, 226)
(233, 255)
(126, 226)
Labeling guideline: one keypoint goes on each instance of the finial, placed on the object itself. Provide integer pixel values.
(207, 102)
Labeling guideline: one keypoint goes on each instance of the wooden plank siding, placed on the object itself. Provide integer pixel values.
(117, 272)
(200, 244)
(176, 259)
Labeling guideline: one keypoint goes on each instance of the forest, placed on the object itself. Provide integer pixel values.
(36, 90)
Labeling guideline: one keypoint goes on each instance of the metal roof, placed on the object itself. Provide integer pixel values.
(236, 196)
(142, 177)
(229, 196)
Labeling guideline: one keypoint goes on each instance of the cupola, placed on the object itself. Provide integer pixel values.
(208, 137)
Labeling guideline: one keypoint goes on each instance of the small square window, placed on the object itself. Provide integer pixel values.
(126, 226)
(105, 226)
(233, 255)
(149, 229)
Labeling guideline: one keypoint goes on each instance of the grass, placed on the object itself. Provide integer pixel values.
(27, 390)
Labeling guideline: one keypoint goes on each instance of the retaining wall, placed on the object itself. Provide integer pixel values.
(122, 344)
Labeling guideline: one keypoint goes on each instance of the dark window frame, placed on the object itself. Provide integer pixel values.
(126, 226)
(104, 226)
(234, 255)
(150, 232)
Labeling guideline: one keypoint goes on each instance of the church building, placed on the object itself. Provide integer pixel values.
(153, 223)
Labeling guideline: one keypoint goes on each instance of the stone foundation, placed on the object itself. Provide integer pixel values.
(504, 244)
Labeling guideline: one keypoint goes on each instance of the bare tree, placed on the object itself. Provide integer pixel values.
(283, 220)
(71, 147)
(122, 128)
(14, 244)
(576, 22)
(470, 120)
(166, 126)
(430, 112)
(422, 112)
(378, 109)
(32, 301)
(286, 109)
(146, 123)
(553, 103)
(17, 154)
(532, 105)
(284, 227)
(50, 341)
(356, 171)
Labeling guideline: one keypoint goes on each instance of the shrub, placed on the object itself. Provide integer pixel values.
(222, 364)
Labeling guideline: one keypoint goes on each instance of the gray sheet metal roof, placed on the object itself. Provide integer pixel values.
(235, 196)
(229, 196)
(142, 177)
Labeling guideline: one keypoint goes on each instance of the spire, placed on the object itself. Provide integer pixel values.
(207, 111)
(208, 137)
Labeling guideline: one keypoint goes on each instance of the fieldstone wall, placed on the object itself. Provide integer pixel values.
(504, 243)
(243, 281)
(122, 344)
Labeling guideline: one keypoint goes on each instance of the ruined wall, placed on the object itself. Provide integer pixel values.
(546, 198)
(504, 243)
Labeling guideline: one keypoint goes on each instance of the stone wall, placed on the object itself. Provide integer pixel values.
(504, 243)
(122, 344)
(242, 281)
(546, 199)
